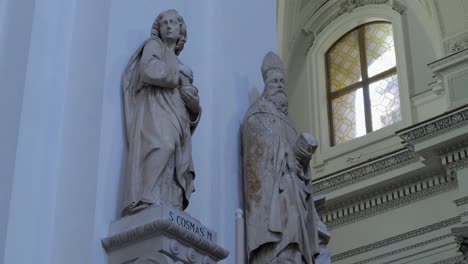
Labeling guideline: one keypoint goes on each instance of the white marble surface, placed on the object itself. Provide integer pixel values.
(162, 234)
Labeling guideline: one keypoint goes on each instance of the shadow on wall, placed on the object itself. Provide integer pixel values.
(117, 152)
(254, 94)
(242, 83)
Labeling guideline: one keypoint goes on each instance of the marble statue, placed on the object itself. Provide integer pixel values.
(280, 214)
(162, 110)
(324, 256)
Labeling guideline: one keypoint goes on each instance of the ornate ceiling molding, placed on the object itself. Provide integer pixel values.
(396, 239)
(365, 171)
(350, 5)
(448, 62)
(461, 201)
(459, 165)
(456, 44)
(315, 15)
(452, 260)
(453, 161)
(323, 13)
(383, 201)
(401, 250)
(435, 127)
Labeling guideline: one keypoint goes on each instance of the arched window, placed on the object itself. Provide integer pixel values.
(362, 82)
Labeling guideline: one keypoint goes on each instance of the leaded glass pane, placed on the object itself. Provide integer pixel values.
(380, 48)
(344, 63)
(348, 116)
(385, 102)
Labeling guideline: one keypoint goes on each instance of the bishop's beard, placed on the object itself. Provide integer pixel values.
(280, 101)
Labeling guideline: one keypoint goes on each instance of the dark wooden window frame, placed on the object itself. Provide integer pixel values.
(364, 84)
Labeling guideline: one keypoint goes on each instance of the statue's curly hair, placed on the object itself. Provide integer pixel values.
(155, 31)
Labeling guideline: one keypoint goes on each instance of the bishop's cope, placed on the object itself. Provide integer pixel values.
(281, 218)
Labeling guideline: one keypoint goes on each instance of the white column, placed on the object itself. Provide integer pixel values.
(75, 238)
(15, 31)
(240, 237)
(31, 210)
(53, 201)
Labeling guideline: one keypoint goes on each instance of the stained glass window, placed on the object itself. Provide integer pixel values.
(363, 92)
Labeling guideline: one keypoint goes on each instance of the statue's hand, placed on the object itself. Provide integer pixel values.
(190, 97)
(305, 147)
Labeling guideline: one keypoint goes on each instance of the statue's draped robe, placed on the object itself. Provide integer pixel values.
(158, 127)
(279, 205)
(324, 237)
(324, 234)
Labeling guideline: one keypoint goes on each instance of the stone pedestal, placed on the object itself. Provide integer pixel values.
(162, 235)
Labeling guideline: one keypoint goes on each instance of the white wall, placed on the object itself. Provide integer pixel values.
(398, 221)
(31, 211)
(422, 50)
(15, 30)
(75, 210)
(51, 213)
(242, 38)
(452, 17)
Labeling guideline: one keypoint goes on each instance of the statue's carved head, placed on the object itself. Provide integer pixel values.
(271, 64)
(275, 86)
(169, 24)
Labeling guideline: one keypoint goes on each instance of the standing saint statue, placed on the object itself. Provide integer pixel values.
(162, 110)
(280, 215)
